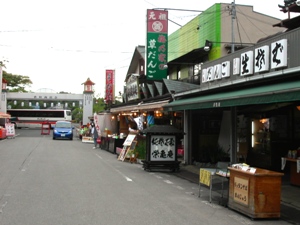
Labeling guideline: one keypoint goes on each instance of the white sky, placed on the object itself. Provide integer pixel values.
(60, 43)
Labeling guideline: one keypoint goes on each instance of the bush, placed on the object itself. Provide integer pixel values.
(141, 147)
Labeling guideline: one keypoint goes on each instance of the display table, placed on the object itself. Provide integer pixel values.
(113, 143)
(294, 174)
(207, 175)
(257, 194)
(110, 144)
(206, 178)
(104, 143)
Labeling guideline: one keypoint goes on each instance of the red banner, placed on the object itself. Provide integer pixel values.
(110, 86)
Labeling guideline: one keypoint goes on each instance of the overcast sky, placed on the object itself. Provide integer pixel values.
(60, 43)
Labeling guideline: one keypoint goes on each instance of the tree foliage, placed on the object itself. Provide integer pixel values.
(16, 83)
(99, 105)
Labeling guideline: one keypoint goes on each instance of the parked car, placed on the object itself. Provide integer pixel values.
(63, 130)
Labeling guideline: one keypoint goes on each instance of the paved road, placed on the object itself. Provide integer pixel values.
(47, 182)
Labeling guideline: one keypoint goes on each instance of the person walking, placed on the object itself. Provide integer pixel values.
(95, 135)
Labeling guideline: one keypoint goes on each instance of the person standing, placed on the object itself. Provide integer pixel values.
(95, 135)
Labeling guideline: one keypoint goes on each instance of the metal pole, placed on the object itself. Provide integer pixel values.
(232, 25)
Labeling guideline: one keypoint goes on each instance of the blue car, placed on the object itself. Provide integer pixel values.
(63, 130)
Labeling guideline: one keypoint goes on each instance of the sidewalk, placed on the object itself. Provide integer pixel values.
(290, 195)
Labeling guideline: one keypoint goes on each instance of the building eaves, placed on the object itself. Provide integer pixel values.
(159, 87)
(151, 89)
(290, 24)
(179, 86)
(192, 57)
(139, 53)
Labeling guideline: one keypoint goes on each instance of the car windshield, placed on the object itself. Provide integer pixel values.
(63, 125)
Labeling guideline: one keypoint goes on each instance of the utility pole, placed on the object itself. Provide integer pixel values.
(233, 14)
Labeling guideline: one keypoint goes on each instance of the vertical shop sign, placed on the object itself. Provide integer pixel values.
(225, 71)
(210, 73)
(132, 89)
(236, 66)
(204, 75)
(217, 72)
(247, 63)
(261, 59)
(279, 54)
(110, 86)
(157, 44)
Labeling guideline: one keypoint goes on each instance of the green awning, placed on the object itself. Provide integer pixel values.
(283, 92)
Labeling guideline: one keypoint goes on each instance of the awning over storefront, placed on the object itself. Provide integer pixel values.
(140, 106)
(4, 115)
(283, 92)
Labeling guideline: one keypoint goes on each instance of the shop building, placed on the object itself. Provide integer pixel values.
(143, 98)
(247, 102)
(205, 40)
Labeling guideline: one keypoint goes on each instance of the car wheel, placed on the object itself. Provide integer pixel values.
(53, 138)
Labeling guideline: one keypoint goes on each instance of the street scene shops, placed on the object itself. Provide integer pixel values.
(247, 103)
(245, 108)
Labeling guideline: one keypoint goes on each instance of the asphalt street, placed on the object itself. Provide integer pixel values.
(46, 182)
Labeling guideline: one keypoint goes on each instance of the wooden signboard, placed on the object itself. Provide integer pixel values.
(132, 146)
(241, 190)
(130, 150)
(123, 153)
(129, 139)
(127, 151)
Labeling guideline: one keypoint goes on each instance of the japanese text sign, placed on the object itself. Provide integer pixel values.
(110, 85)
(157, 44)
(162, 148)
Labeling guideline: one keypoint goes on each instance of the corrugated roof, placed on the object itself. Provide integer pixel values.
(179, 86)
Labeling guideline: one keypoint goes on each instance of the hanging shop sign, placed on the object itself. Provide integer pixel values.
(262, 59)
(157, 44)
(110, 86)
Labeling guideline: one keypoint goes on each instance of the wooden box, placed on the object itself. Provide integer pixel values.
(256, 195)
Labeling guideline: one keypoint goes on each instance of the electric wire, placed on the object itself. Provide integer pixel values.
(188, 45)
(253, 24)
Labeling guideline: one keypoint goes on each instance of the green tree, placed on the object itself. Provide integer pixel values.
(99, 105)
(16, 83)
(77, 114)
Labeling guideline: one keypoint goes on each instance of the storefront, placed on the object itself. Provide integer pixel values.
(139, 114)
(246, 104)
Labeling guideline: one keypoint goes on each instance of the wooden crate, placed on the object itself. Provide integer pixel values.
(256, 195)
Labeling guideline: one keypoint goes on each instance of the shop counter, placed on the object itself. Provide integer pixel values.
(256, 194)
(110, 144)
(114, 143)
(104, 143)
